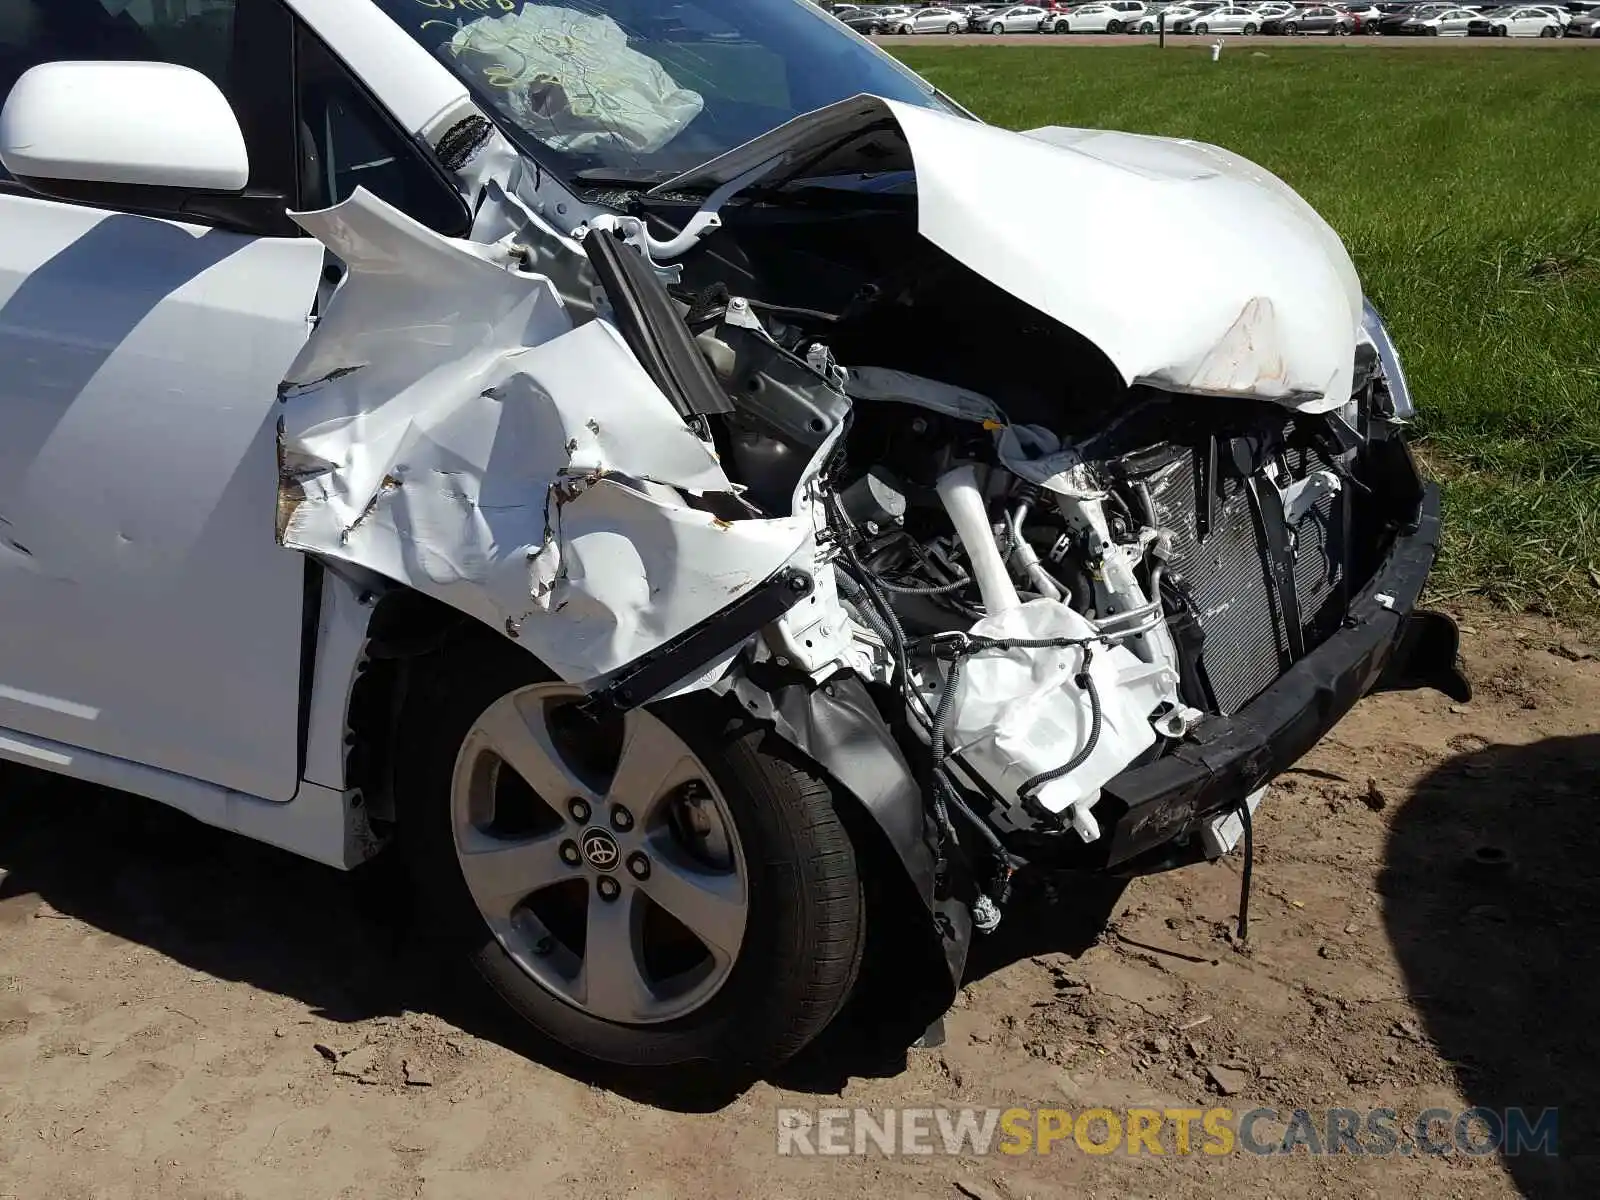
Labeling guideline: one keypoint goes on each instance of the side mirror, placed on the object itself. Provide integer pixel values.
(126, 126)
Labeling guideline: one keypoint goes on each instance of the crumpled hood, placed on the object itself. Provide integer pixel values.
(1249, 293)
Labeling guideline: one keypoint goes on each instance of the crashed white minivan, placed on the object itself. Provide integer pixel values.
(648, 461)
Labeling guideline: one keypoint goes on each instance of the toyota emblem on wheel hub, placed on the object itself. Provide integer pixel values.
(600, 850)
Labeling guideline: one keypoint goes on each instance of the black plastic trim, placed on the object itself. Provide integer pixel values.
(650, 324)
(651, 674)
(310, 629)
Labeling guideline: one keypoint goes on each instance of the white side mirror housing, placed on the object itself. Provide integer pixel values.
(130, 124)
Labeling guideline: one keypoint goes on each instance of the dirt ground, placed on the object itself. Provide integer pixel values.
(184, 1014)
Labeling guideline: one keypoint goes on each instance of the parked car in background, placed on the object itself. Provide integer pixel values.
(1131, 12)
(1449, 22)
(1365, 13)
(1397, 15)
(1229, 19)
(1325, 20)
(1274, 10)
(978, 16)
(1585, 26)
(1175, 15)
(1559, 12)
(1086, 18)
(863, 22)
(1019, 18)
(931, 20)
(1516, 22)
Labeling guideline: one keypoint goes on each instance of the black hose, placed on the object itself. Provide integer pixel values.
(929, 590)
(897, 643)
(1086, 682)
(1249, 863)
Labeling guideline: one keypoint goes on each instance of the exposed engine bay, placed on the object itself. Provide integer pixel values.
(788, 430)
(1059, 577)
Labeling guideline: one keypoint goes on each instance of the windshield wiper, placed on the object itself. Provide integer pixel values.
(624, 176)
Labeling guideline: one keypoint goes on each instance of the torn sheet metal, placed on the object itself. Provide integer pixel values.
(1261, 300)
(448, 427)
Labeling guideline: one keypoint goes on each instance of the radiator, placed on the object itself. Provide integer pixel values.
(1224, 570)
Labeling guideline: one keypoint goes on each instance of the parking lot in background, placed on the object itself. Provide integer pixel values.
(1232, 39)
(1085, 22)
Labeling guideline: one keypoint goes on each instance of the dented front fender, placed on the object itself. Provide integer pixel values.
(449, 426)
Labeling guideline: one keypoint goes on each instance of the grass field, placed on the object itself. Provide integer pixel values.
(1467, 185)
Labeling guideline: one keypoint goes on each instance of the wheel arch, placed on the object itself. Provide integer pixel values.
(840, 733)
(834, 729)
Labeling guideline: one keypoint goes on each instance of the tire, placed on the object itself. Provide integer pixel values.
(1342, 30)
(905, 30)
(785, 863)
(1549, 31)
(1202, 29)
(1147, 28)
(1113, 26)
(997, 28)
(1292, 30)
(952, 28)
(1433, 30)
(1249, 30)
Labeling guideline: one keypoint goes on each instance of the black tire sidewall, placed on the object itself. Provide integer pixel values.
(750, 1021)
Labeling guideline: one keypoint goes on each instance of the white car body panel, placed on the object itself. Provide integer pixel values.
(1268, 307)
(139, 400)
(521, 469)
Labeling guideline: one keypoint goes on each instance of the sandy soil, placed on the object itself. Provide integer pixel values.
(183, 1014)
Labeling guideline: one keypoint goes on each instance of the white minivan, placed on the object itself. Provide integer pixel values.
(653, 466)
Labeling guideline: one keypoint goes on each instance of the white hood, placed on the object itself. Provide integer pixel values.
(1253, 295)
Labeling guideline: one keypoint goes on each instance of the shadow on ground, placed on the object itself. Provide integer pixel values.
(1491, 895)
(341, 943)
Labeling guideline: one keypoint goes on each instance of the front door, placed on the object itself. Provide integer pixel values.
(145, 610)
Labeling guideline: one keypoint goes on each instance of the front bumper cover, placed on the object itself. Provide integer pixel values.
(1385, 643)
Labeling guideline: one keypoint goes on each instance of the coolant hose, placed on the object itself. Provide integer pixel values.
(958, 490)
(1028, 560)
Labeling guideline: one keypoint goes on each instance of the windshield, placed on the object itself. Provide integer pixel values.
(642, 89)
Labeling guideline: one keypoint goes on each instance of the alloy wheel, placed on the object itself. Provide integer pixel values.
(601, 855)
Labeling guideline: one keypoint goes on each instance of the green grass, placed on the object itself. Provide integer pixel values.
(1466, 182)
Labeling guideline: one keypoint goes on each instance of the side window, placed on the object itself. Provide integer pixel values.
(347, 141)
(191, 33)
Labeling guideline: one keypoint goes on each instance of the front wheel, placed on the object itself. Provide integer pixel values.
(1343, 30)
(1202, 29)
(1433, 30)
(1249, 31)
(1292, 30)
(1113, 26)
(1549, 31)
(952, 28)
(653, 889)
(1147, 28)
(997, 28)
